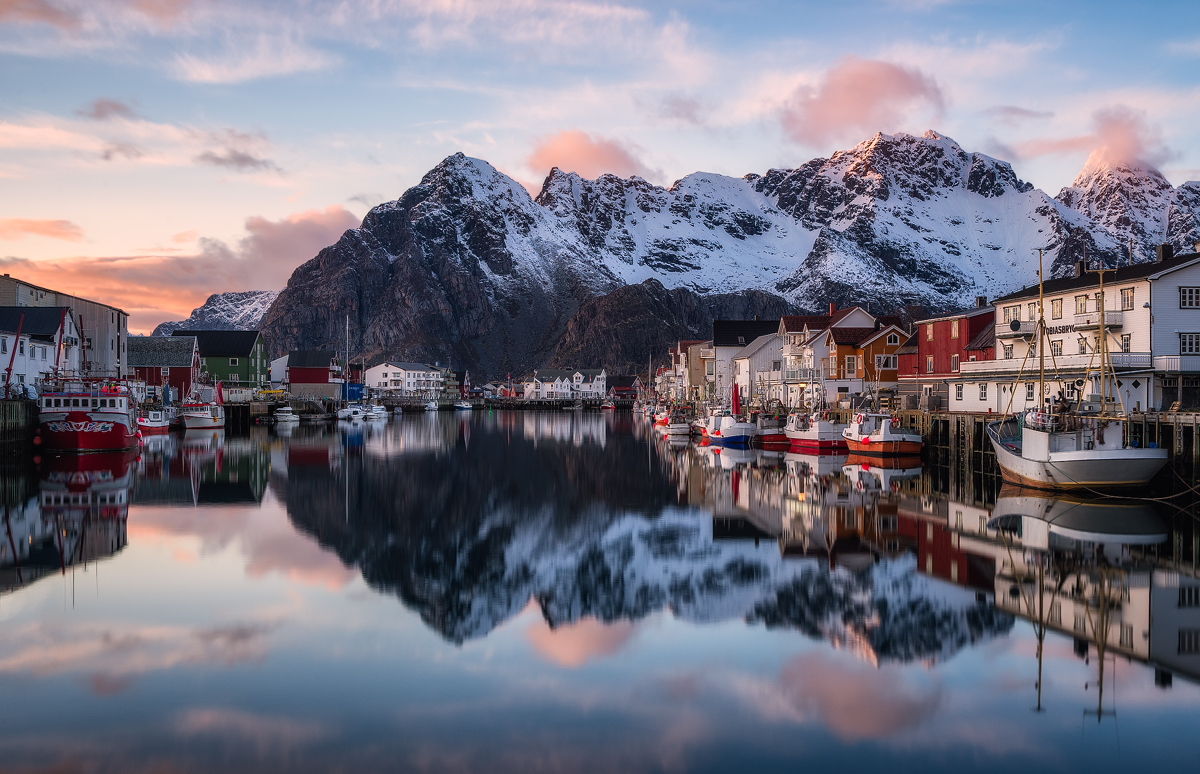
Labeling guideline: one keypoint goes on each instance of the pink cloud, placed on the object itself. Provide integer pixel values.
(37, 12)
(19, 228)
(572, 645)
(589, 156)
(854, 699)
(154, 288)
(858, 96)
(1119, 134)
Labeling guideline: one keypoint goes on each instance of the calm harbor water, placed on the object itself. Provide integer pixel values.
(570, 592)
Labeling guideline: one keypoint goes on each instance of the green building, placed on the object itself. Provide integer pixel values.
(233, 357)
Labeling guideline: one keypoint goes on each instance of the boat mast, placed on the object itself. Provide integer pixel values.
(1107, 376)
(1040, 335)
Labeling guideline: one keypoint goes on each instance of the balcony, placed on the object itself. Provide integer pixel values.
(1091, 320)
(802, 375)
(1004, 330)
(707, 353)
(1176, 363)
(1073, 363)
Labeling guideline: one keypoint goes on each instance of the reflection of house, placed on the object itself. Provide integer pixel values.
(169, 360)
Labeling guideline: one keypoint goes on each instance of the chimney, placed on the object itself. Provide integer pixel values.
(1195, 249)
(980, 302)
(1164, 253)
(832, 308)
(755, 318)
(1079, 268)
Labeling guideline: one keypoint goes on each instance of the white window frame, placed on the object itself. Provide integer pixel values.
(1189, 343)
(958, 392)
(1189, 298)
(1126, 299)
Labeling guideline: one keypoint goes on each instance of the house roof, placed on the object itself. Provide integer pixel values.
(794, 323)
(909, 347)
(40, 322)
(970, 311)
(310, 358)
(985, 339)
(755, 346)
(623, 381)
(409, 366)
(853, 336)
(1091, 279)
(161, 351)
(896, 329)
(223, 343)
(551, 374)
(739, 333)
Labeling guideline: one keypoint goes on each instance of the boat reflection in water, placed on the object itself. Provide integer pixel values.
(74, 513)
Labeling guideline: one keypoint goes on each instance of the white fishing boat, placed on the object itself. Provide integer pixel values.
(677, 425)
(202, 416)
(376, 414)
(1057, 446)
(815, 432)
(285, 416)
(735, 432)
(154, 422)
(431, 405)
(351, 412)
(463, 405)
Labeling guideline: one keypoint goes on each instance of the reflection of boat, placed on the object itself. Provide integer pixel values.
(1047, 450)
(870, 474)
(815, 433)
(154, 422)
(87, 416)
(733, 456)
(284, 415)
(875, 434)
(1104, 520)
(202, 416)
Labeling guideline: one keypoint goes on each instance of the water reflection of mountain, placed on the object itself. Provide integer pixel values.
(70, 510)
(590, 522)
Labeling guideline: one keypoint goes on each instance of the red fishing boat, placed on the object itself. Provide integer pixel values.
(87, 416)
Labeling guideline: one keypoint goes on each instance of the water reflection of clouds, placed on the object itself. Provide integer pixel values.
(574, 644)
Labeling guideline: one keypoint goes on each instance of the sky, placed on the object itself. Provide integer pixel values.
(155, 151)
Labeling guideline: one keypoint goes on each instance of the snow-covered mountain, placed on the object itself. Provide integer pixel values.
(239, 311)
(466, 267)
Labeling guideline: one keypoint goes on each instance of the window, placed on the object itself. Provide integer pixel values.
(893, 339)
(851, 365)
(1189, 596)
(204, 362)
(4, 346)
(885, 362)
(1126, 342)
(1012, 313)
(1126, 299)
(1008, 351)
(929, 364)
(1189, 343)
(709, 368)
(1080, 304)
(20, 347)
(1082, 346)
(1189, 641)
(1033, 311)
(983, 391)
(1056, 348)
(929, 332)
(1189, 298)
(954, 329)
(958, 392)
(954, 362)
(1056, 309)
(232, 361)
(1028, 391)
(774, 365)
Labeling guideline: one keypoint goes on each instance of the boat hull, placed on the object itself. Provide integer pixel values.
(818, 445)
(86, 431)
(1095, 469)
(202, 422)
(884, 448)
(153, 428)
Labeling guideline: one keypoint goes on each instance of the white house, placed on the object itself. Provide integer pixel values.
(757, 369)
(413, 379)
(568, 383)
(1151, 325)
(729, 338)
(49, 341)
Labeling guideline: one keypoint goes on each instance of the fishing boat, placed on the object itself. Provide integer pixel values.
(285, 416)
(661, 415)
(376, 414)
(732, 431)
(677, 425)
(202, 416)
(1060, 446)
(875, 435)
(351, 412)
(463, 405)
(154, 422)
(87, 416)
(431, 405)
(815, 432)
(608, 405)
(770, 431)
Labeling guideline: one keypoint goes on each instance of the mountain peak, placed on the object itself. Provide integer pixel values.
(236, 311)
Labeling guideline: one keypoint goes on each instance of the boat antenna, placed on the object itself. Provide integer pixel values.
(1041, 334)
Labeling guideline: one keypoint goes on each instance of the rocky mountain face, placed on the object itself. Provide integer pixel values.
(241, 311)
(619, 329)
(466, 268)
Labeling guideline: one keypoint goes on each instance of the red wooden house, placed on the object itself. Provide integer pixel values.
(165, 360)
(940, 345)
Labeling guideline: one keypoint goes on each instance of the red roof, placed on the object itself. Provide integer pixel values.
(794, 323)
(851, 335)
